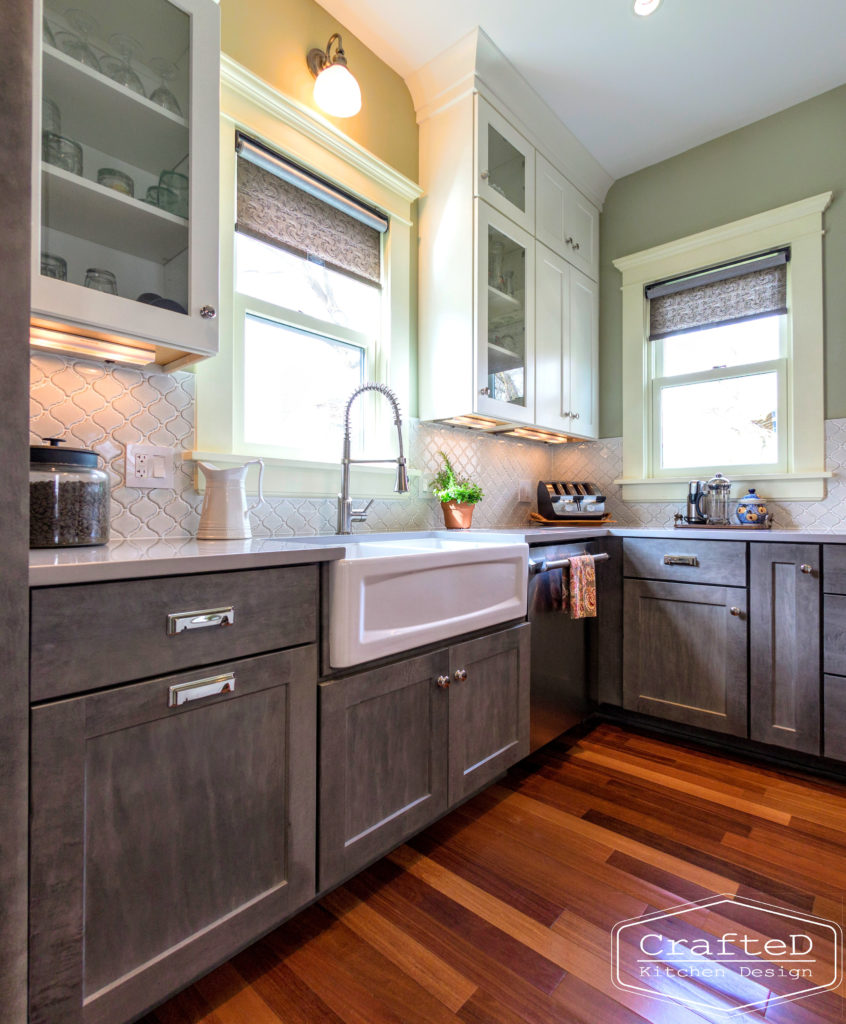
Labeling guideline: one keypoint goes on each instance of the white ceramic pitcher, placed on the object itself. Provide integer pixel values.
(225, 514)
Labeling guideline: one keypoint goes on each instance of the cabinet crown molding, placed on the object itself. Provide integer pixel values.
(476, 64)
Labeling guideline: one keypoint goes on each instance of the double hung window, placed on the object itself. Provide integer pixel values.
(307, 304)
(719, 368)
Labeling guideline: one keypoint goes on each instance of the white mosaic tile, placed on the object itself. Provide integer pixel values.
(106, 407)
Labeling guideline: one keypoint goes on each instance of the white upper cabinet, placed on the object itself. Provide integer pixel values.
(505, 167)
(125, 176)
(566, 349)
(566, 221)
(505, 317)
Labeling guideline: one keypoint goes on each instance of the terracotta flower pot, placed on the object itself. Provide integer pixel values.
(458, 515)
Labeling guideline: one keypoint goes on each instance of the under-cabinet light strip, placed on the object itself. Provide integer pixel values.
(61, 341)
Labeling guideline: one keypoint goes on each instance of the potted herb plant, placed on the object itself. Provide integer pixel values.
(457, 497)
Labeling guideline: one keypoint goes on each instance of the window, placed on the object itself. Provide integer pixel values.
(306, 313)
(308, 299)
(723, 366)
(718, 347)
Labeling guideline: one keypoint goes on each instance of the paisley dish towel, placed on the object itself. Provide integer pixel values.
(582, 587)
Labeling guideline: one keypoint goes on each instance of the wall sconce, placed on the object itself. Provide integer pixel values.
(335, 89)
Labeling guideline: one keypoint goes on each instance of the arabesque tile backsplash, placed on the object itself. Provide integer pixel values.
(105, 407)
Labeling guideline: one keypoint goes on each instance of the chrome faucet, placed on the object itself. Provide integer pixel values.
(347, 515)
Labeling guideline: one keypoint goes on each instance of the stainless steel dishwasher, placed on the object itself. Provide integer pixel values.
(560, 666)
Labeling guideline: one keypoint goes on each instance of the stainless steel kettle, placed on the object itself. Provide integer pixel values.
(696, 495)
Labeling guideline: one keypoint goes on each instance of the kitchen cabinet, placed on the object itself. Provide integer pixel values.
(784, 623)
(505, 164)
(165, 250)
(491, 355)
(834, 651)
(173, 819)
(684, 653)
(567, 222)
(402, 743)
(566, 350)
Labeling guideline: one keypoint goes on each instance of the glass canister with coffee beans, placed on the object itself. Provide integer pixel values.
(68, 496)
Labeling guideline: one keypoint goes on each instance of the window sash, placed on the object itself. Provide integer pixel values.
(779, 366)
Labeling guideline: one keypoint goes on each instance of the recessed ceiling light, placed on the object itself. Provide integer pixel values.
(644, 7)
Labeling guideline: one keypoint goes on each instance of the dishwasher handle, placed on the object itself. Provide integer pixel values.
(542, 565)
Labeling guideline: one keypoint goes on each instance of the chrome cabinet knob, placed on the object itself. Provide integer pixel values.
(443, 682)
(736, 612)
(576, 246)
(460, 675)
(807, 569)
(575, 415)
(485, 391)
(568, 241)
(484, 175)
(208, 312)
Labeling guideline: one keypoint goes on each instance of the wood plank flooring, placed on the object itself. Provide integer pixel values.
(502, 912)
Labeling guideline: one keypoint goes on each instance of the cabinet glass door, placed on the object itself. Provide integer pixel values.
(120, 154)
(506, 168)
(506, 304)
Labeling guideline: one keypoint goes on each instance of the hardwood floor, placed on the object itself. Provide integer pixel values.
(503, 911)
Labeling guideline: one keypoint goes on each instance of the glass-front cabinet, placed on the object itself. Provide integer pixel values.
(125, 178)
(505, 317)
(505, 166)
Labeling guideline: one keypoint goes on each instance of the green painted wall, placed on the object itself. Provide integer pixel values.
(791, 155)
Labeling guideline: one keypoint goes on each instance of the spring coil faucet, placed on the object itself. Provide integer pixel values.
(347, 515)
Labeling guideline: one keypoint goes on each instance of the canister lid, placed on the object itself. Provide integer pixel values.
(52, 454)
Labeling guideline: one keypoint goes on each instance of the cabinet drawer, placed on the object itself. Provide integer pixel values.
(686, 561)
(94, 635)
(834, 568)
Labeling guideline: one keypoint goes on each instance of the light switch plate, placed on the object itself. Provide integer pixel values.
(149, 466)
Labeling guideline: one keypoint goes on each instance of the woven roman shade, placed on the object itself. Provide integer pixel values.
(289, 207)
(743, 290)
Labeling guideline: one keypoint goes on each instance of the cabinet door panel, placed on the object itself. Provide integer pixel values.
(552, 321)
(488, 710)
(566, 221)
(195, 835)
(834, 634)
(834, 695)
(505, 167)
(383, 762)
(785, 634)
(583, 353)
(684, 654)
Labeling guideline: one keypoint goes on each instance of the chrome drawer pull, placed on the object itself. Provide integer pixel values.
(210, 687)
(681, 560)
(178, 622)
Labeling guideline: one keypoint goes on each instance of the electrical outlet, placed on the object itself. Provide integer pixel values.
(149, 466)
(525, 491)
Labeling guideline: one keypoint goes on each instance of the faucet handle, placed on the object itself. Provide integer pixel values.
(359, 515)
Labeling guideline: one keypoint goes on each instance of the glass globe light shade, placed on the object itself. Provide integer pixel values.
(337, 92)
(646, 7)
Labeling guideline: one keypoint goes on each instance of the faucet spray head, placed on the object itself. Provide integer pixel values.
(401, 486)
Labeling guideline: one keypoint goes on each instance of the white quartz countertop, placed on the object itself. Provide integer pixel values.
(128, 559)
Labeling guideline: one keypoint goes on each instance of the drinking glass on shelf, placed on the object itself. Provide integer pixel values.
(51, 118)
(101, 280)
(75, 44)
(166, 70)
(54, 266)
(121, 71)
(179, 184)
(61, 152)
(164, 198)
(116, 180)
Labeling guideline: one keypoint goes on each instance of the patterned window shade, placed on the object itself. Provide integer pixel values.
(739, 291)
(286, 206)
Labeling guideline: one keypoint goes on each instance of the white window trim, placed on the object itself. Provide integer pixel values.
(252, 106)
(798, 225)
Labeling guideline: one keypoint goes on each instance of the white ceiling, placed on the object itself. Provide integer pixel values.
(633, 90)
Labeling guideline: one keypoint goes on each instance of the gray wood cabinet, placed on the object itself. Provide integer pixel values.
(402, 743)
(784, 621)
(685, 653)
(164, 838)
(383, 761)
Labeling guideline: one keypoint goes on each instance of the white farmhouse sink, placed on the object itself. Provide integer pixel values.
(388, 596)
